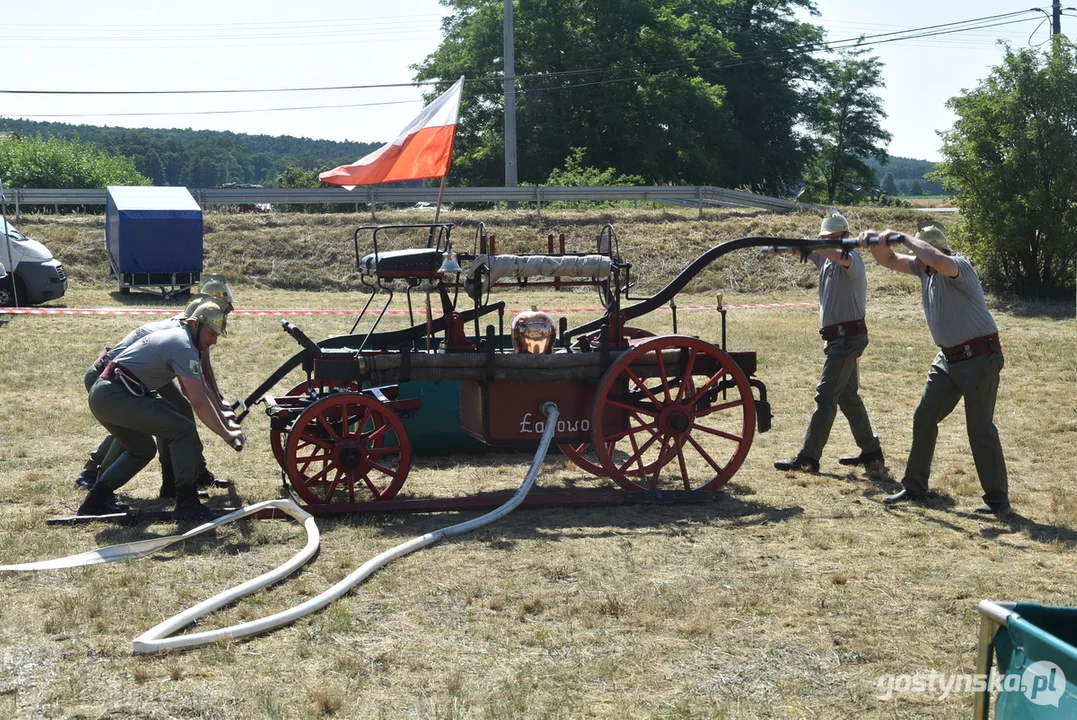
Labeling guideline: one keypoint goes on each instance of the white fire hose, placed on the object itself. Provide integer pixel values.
(157, 638)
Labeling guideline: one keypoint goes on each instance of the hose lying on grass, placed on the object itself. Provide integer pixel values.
(157, 638)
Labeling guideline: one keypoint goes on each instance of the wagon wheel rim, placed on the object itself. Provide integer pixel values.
(583, 454)
(347, 447)
(660, 419)
(278, 438)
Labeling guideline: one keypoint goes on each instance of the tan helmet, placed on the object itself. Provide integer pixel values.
(211, 315)
(200, 299)
(834, 222)
(935, 235)
(218, 287)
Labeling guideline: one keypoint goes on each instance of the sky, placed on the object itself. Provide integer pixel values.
(138, 45)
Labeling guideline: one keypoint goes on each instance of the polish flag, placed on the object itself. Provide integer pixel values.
(422, 150)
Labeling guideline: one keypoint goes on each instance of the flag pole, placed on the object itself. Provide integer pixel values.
(429, 311)
(441, 194)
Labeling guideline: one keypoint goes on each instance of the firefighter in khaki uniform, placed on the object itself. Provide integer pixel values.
(214, 289)
(124, 401)
(843, 293)
(967, 366)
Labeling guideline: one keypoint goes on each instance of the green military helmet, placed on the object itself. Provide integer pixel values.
(200, 299)
(834, 222)
(212, 316)
(218, 287)
(934, 235)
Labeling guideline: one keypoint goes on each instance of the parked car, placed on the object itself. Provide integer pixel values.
(33, 275)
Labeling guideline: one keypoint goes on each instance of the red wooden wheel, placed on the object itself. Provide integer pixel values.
(277, 438)
(583, 454)
(347, 447)
(660, 419)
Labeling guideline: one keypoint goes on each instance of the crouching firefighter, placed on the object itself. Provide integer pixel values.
(214, 289)
(125, 401)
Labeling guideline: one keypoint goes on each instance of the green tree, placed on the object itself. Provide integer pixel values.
(701, 92)
(915, 189)
(1009, 159)
(57, 163)
(297, 177)
(845, 124)
(576, 173)
(889, 186)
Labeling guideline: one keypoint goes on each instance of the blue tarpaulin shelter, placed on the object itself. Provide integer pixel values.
(154, 237)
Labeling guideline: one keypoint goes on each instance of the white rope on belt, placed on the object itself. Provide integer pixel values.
(157, 639)
(527, 266)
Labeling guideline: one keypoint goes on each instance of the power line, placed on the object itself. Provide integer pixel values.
(863, 41)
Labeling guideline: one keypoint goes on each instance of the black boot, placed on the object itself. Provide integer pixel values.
(188, 506)
(207, 479)
(86, 479)
(168, 482)
(101, 501)
(800, 462)
(873, 461)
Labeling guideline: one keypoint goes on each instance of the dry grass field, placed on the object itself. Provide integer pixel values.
(787, 598)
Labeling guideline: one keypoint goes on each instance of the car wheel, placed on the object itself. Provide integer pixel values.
(7, 295)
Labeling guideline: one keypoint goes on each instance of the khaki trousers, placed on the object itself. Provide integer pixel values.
(839, 388)
(133, 422)
(975, 381)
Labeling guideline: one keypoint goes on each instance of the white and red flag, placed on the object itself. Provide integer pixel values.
(422, 150)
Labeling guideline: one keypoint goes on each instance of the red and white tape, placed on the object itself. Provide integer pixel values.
(350, 313)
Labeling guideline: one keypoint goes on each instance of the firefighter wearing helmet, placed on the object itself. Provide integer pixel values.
(843, 290)
(967, 366)
(126, 400)
(215, 289)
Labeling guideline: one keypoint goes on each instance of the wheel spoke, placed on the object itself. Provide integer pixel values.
(662, 373)
(685, 479)
(314, 479)
(379, 451)
(349, 475)
(658, 465)
(332, 486)
(643, 386)
(325, 424)
(707, 386)
(719, 408)
(706, 456)
(377, 432)
(630, 408)
(613, 437)
(686, 376)
(719, 433)
(312, 440)
(636, 456)
(388, 471)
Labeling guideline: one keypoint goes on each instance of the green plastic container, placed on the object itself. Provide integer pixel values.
(435, 429)
(1036, 653)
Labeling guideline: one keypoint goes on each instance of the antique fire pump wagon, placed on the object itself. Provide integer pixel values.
(665, 412)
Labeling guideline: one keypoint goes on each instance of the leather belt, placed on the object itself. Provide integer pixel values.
(115, 373)
(845, 329)
(976, 347)
(102, 360)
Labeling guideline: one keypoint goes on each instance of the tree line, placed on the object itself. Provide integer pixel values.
(194, 158)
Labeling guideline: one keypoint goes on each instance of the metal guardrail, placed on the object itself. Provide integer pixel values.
(700, 196)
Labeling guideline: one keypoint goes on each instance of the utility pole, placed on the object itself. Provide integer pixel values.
(1056, 18)
(510, 100)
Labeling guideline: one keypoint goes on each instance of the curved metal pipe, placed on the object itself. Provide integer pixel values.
(689, 273)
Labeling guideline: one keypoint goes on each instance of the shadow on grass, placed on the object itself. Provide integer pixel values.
(725, 508)
(139, 298)
(1050, 309)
